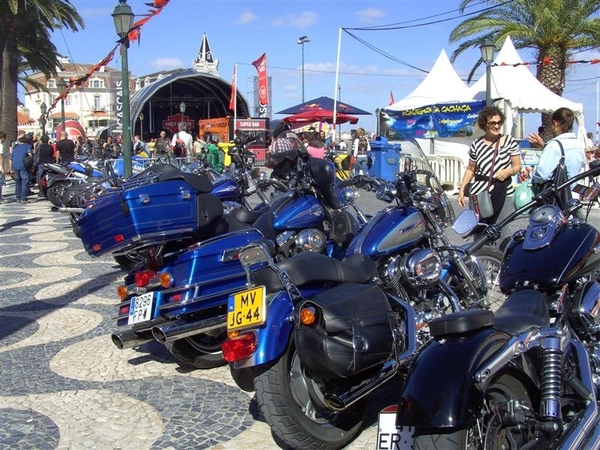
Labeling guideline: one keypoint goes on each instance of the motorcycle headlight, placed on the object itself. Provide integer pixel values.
(386, 193)
(422, 267)
(348, 196)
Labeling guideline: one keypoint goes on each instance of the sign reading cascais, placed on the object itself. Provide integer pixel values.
(171, 123)
(430, 121)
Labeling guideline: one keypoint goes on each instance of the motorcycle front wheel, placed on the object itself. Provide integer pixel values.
(201, 351)
(291, 404)
(490, 260)
(488, 431)
(57, 191)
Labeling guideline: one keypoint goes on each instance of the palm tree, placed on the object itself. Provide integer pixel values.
(554, 29)
(26, 26)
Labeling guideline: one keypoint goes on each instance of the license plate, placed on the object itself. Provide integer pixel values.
(388, 436)
(140, 309)
(246, 309)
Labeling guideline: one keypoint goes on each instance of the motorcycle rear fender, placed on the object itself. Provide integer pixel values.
(439, 391)
(274, 336)
(56, 177)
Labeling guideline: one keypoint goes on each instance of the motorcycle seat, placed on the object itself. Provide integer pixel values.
(307, 268)
(461, 323)
(521, 311)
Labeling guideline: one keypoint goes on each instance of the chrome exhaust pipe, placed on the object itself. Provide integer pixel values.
(180, 329)
(130, 339)
(342, 400)
(65, 209)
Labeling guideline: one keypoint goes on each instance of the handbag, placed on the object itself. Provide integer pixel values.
(523, 195)
(559, 177)
(28, 161)
(482, 203)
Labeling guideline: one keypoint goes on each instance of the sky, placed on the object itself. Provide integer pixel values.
(373, 65)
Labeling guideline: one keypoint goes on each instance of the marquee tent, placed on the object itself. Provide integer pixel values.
(520, 91)
(441, 85)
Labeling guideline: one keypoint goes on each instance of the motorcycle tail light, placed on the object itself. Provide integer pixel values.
(119, 238)
(165, 279)
(239, 348)
(143, 278)
(307, 316)
(122, 291)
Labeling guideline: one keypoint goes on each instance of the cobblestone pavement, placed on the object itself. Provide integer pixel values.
(64, 385)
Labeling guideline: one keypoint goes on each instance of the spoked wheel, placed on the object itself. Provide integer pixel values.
(490, 260)
(292, 404)
(202, 351)
(489, 431)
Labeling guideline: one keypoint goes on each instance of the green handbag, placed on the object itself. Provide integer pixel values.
(523, 194)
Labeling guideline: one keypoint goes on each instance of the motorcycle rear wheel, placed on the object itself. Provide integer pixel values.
(287, 399)
(495, 435)
(56, 192)
(202, 351)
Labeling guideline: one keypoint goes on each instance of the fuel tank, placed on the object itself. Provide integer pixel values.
(226, 189)
(298, 212)
(572, 253)
(390, 231)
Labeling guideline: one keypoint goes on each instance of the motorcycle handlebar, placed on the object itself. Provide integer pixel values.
(492, 232)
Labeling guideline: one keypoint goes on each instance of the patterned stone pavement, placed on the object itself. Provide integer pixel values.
(64, 385)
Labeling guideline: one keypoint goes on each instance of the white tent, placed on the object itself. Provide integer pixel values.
(441, 85)
(520, 90)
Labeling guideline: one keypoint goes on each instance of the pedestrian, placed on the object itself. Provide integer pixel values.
(65, 149)
(280, 142)
(2, 164)
(18, 169)
(139, 147)
(360, 147)
(213, 154)
(198, 147)
(493, 159)
(162, 147)
(44, 154)
(563, 120)
(187, 140)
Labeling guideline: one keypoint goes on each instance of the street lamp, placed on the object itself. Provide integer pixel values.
(141, 118)
(62, 88)
(182, 111)
(303, 40)
(123, 18)
(487, 56)
(43, 110)
(377, 124)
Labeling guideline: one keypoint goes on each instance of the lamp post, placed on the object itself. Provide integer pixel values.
(123, 18)
(303, 40)
(43, 110)
(487, 56)
(182, 107)
(141, 118)
(62, 87)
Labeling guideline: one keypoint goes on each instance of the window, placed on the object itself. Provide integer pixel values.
(97, 102)
(97, 83)
(51, 83)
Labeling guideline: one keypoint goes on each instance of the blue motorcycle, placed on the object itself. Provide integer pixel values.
(313, 336)
(184, 303)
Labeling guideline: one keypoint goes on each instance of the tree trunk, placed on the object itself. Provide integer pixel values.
(8, 92)
(551, 69)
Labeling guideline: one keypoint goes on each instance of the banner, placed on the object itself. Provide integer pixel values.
(391, 99)
(263, 91)
(233, 97)
(431, 121)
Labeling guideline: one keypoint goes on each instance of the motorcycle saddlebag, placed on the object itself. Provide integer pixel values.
(352, 331)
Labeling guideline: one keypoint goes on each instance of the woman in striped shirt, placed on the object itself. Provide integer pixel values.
(489, 168)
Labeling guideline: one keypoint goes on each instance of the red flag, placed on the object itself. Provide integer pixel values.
(263, 90)
(391, 99)
(233, 96)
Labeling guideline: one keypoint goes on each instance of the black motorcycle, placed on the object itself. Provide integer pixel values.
(526, 376)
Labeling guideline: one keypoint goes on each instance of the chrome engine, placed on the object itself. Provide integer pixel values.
(290, 243)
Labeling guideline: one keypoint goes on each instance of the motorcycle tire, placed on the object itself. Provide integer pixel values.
(202, 351)
(56, 192)
(495, 436)
(490, 259)
(290, 403)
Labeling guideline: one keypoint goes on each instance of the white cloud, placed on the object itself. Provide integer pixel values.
(303, 20)
(166, 63)
(370, 15)
(93, 12)
(246, 17)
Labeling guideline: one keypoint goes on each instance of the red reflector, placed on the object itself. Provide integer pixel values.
(124, 310)
(176, 297)
(239, 348)
(143, 278)
(96, 247)
(119, 238)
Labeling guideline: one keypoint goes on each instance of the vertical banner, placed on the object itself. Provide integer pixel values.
(263, 91)
(391, 99)
(119, 102)
(232, 99)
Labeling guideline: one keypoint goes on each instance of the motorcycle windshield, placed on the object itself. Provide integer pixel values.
(414, 161)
